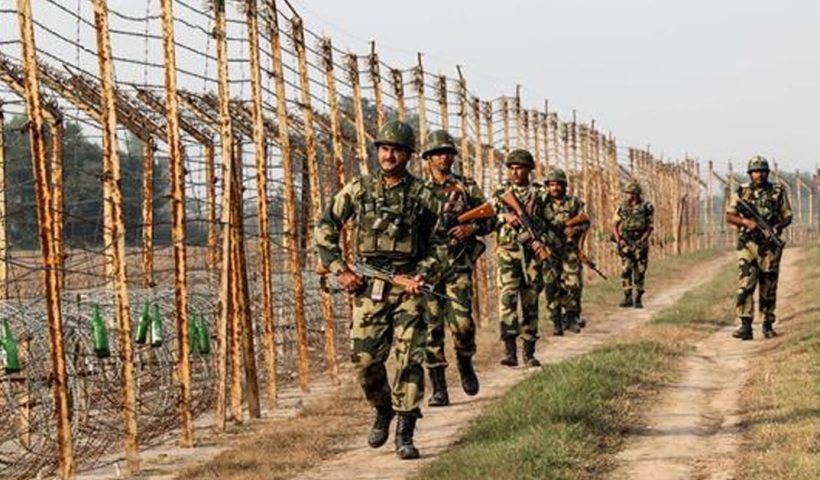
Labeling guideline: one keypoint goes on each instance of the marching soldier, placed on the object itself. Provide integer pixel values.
(761, 211)
(520, 253)
(457, 194)
(633, 226)
(564, 279)
(395, 215)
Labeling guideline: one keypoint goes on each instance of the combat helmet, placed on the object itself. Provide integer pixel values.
(439, 141)
(520, 156)
(397, 133)
(633, 186)
(758, 164)
(556, 175)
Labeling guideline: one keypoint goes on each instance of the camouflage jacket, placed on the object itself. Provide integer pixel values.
(634, 219)
(532, 199)
(395, 226)
(559, 211)
(770, 201)
(456, 195)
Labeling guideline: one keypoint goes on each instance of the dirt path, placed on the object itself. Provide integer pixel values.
(440, 428)
(693, 431)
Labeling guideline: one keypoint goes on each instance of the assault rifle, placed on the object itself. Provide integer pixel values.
(768, 232)
(385, 275)
(533, 233)
(589, 263)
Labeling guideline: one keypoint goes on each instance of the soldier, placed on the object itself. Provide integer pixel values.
(519, 270)
(395, 216)
(457, 194)
(633, 226)
(758, 255)
(563, 276)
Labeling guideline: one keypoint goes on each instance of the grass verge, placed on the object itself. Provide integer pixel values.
(782, 399)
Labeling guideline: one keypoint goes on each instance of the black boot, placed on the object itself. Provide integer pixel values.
(404, 436)
(469, 380)
(638, 303)
(380, 431)
(768, 328)
(744, 331)
(440, 397)
(529, 354)
(572, 322)
(511, 357)
(627, 301)
(557, 326)
(582, 322)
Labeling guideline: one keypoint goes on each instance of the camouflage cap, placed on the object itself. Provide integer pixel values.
(520, 156)
(758, 164)
(439, 141)
(633, 186)
(556, 175)
(397, 133)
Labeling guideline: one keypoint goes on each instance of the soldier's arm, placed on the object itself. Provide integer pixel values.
(650, 223)
(616, 225)
(329, 229)
(785, 213)
(434, 253)
(734, 218)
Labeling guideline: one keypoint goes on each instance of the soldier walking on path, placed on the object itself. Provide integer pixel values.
(395, 216)
(564, 275)
(456, 194)
(519, 268)
(633, 226)
(761, 210)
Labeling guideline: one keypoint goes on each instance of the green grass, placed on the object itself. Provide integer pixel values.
(567, 420)
(552, 425)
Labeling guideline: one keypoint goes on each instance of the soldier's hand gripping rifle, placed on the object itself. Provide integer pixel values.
(533, 233)
(769, 233)
(372, 272)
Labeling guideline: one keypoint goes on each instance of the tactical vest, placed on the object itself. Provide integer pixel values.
(634, 217)
(564, 210)
(766, 201)
(387, 216)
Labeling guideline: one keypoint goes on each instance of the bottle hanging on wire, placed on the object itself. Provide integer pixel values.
(193, 334)
(11, 356)
(99, 334)
(204, 336)
(143, 324)
(156, 328)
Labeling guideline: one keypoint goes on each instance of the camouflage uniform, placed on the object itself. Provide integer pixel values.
(457, 194)
(759, 259)
(519, 276)
(634, 219)
(563, 275)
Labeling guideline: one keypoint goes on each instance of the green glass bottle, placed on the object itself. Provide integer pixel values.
(193, 335)
(11, 357)
(100, 334)
(204, 337)
(156, 328)
(142, 325)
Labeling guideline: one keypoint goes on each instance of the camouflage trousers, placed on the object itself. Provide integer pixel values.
(563, 278)
(457, 317)
(519, 283)
(634, 261)
(376, 325)
(757, 265)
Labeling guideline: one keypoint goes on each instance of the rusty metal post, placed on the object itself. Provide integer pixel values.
(116, 225)
(210, 200)
(148, 214)
(491, 164)
(261, 156)
(553, 122)
(315, 193)
(545, 128)
(481, 272)
(226, 267)
(376, 78)
(505, 119)
(518, 120)
(290, 240)
(59, 378)
(398, 89)
(361, 141)
(464, 153)
(177, 171)
(535, 121)
(418, 81)
(442, 102)
(4, 273)
(58, 197)
(237, 307)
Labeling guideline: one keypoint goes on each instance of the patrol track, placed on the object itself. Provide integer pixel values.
(441, 428)
(695, 429)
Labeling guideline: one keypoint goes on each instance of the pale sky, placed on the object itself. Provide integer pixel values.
(716, 79)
